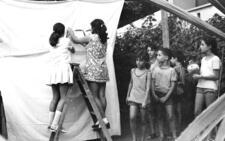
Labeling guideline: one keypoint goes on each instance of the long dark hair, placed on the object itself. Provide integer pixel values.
(211, 41)
(58, 31)
(98, 27)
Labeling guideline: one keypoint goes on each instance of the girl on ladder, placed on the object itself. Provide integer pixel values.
(96, 72)
(60, 75)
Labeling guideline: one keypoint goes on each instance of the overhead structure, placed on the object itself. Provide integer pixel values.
(187, 16)
(220, 4)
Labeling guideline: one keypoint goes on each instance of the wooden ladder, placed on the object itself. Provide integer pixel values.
(90, 102)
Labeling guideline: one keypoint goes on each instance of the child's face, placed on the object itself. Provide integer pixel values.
(150, 51)
(161, 57)
(204, 47)
(140, 63)
(173, 60)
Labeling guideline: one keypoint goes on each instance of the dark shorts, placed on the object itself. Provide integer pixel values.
(206, 91)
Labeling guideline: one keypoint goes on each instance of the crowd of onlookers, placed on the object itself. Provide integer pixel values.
(161, 85)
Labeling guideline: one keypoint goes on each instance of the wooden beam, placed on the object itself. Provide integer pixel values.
(165, 29)
(218, 5)
(187, 16)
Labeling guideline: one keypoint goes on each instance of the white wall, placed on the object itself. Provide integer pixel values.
(184, 4)
(205, 12)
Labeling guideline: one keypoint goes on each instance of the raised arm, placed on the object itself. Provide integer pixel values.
(77, 40)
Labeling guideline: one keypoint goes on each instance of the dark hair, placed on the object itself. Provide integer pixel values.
(152, 47)
(142, 55)
(166, 52)
(211, 41)
(58, 31)
(98, 27)
(179, 55)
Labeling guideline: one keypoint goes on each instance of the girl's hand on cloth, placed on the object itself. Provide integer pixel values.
(69, 32)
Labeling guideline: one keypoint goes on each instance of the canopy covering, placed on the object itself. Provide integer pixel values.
(25, 28)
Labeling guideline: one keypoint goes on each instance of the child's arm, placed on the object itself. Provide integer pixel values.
(129, 87)
(77, 40)
(214, 76)
(153, 90)
(173, 80)
(166, 97)
(147, 89)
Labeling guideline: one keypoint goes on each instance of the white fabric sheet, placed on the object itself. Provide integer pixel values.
(25, 28)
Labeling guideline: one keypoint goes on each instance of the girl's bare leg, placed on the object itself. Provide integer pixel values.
(102, 95)
(171, 120)
(53, 104)
(94, 87)
(63, 88)
(143, 123)
(133, 124)
(210, 97)
(199, 101)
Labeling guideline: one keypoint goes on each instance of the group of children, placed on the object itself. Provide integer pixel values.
(158, 90)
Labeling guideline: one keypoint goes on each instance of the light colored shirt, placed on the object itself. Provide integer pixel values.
(60, 55)
(139, 87)
(208, 65)
(163, 78)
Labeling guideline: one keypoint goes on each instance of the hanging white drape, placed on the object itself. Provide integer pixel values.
(25, 28)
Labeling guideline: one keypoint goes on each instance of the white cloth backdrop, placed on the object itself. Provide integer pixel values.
(25, 28)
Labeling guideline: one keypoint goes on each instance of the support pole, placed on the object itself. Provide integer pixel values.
(165, 29)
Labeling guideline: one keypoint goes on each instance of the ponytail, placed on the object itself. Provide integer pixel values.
(58, 32)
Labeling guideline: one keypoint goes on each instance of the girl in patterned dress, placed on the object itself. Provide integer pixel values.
(138, 94)
(60, 73)
(96, 72)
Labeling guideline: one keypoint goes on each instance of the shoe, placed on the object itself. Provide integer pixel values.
(97, 126)
(53, 128)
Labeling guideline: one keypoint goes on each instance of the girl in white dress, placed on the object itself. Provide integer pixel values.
(60, 73)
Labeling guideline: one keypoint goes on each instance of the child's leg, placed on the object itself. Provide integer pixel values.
(143, 123)
(63, 88)
(152, 122)
(54, 102)
(171, 119)
(94, 87)
(179, 115)
(103, 101)
(210, 97)
(160, 114)
(199, 101)
(102, 95)
(133, 116)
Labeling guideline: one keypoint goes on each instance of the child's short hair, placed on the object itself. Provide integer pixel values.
(166, 52)
(211, 41)
(178, 54)
(142, 55)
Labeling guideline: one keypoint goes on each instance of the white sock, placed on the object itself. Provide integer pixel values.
(105, 120)
(51, 117)
(55, 122)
